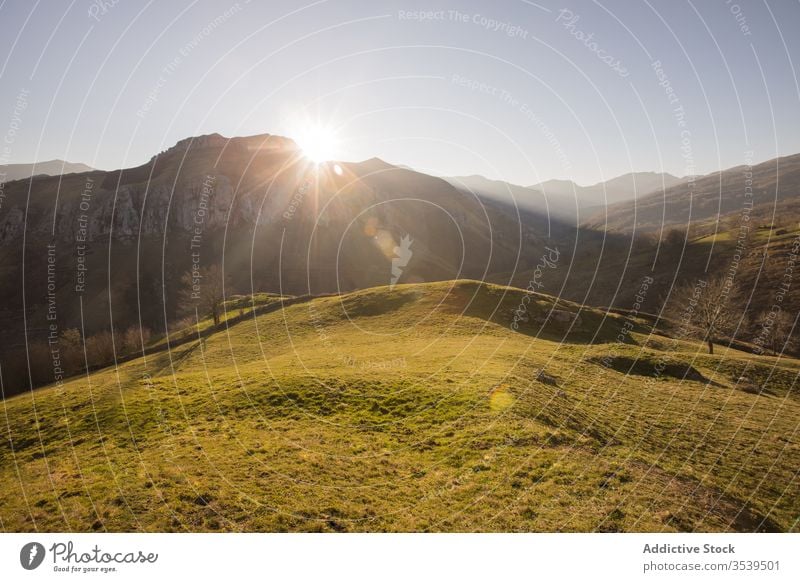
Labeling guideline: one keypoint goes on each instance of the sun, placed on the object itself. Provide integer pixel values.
(318, 142)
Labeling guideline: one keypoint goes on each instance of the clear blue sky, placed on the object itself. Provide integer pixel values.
(113, 89)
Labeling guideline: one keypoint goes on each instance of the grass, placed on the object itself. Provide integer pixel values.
(725, 236)
(237, 307)
(412, 409)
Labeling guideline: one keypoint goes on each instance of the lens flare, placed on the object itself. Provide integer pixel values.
(318, 142)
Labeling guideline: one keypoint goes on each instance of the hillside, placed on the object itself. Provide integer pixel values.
(413, 408)
(122, 240)
(706, 197)
(760, 255)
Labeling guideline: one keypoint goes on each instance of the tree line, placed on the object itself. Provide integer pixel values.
(46, 361)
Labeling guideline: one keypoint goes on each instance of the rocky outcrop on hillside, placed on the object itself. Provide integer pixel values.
(200, 183)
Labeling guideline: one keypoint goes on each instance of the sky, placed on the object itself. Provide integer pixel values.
(514, 90)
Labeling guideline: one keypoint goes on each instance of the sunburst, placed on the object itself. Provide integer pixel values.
(318, 142)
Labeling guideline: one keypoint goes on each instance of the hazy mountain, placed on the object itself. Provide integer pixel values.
(621, 188)
(563, 199)
(707, 197)
(556, 206)
(11, 172)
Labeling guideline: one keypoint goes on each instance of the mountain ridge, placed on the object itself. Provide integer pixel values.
(617, 189)
(706, 197)
(12, 172)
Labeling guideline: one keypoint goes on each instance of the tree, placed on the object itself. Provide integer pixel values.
(708, 309)
(776, 332)
(134, 338)
(204, 289)
(100, 349)
(71, 350)
(674, 238)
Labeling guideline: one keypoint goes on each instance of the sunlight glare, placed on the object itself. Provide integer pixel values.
(319, 143)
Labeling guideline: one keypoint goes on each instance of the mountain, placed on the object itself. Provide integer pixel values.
(557, 207)
(104, 251)
(11, 172)
(121, 241)
(413, 408)
(622, 188)
(774, 183)
(610, 270)
(563, 199)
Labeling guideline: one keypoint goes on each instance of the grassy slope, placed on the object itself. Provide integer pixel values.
(231, 310)
(410, 409)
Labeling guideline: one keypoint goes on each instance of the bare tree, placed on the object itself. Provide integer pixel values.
(775, 331)
(134, 338)
(204, 289)
(100, 349)
(708, 309)
(782, 338)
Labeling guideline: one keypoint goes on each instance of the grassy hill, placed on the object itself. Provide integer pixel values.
(417, 408)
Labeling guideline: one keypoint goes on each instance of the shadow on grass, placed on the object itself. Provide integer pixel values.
(652, 367)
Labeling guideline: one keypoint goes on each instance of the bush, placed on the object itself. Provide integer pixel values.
(134, 338)
(71, 351)
(100, 349)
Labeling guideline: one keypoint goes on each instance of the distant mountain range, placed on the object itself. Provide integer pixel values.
(620, 189)
(555, 206)
(11, 172)
(775, 182)
(564, 199)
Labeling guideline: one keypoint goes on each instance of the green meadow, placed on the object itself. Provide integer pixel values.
(416, 408)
